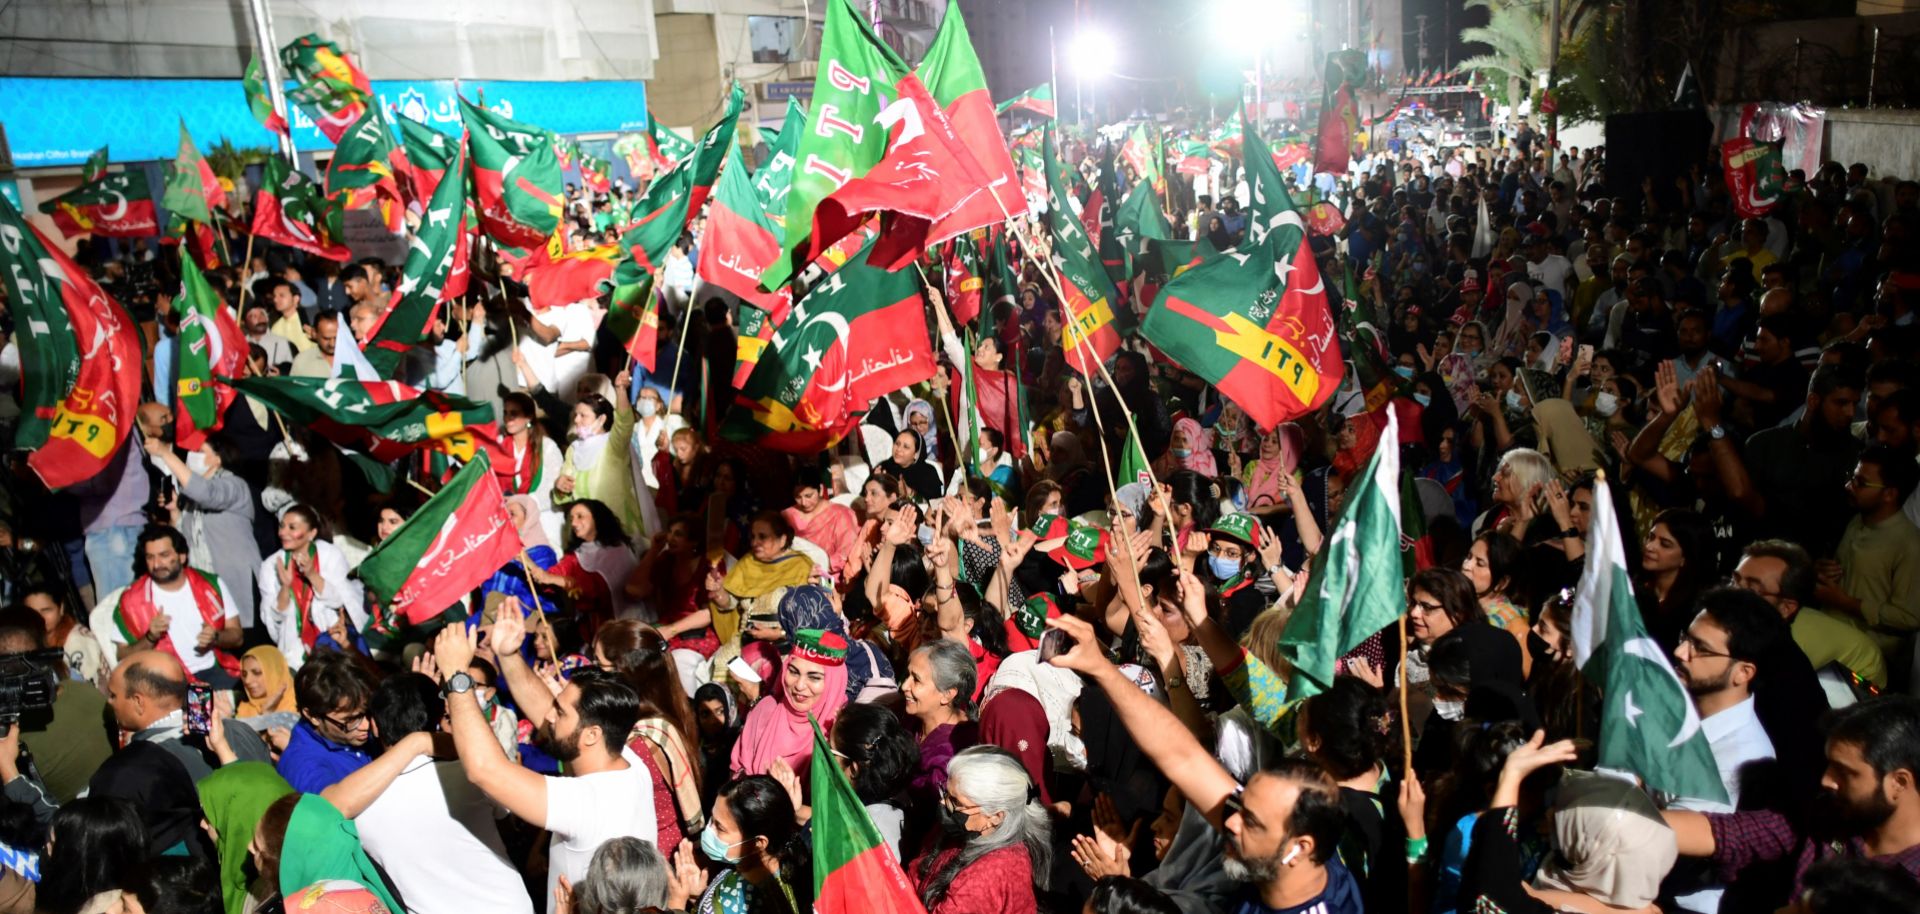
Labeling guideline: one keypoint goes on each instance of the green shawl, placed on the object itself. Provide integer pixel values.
(233, 800)
(323, 844)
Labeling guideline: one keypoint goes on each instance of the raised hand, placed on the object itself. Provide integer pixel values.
(1085, 656)
(1666, 389)
(454, 648)
(509, 629)
(685, 879)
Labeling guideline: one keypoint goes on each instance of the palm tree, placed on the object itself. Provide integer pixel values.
(1519, 37)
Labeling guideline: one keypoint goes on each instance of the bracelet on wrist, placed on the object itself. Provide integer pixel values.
(1416, 849)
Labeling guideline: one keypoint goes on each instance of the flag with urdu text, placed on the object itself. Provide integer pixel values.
(451, 544)
(854, 870)
(1648, 724)
(951, 72)
(741, 239)
(429, 156)
(1354, 587)
(668, 147)
(1037, 100)
(193, 192)
(1255, 323)
(259, 101)
(674, 197)
(424, 279)
(516, 177)
(118, 205)
(334, 92)
(386, 419)
(211, 347)
(76, 402)
(840, 142)
(1755, 175)
(290, 209)
(1091, 328)
(854, 336)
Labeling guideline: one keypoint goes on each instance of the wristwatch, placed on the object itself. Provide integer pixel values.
(459, 683)
(1717, 432)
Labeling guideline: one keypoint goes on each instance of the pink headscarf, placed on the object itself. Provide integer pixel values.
(774, 730)
(1201, 442)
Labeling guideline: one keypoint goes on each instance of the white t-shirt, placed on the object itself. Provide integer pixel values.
(576, 323)
(183, 622)
(433, 805)
(1552, 271)
(584, 811)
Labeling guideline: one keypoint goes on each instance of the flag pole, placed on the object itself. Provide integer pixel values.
(680, 345)
(243, 283)
(1406, 726)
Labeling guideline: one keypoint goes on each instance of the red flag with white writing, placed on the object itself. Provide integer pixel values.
(455, 541)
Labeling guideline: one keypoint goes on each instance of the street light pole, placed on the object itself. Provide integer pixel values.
(266, 48)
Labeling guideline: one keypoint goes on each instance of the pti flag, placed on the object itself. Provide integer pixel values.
(455, 541)
(742, 239)
(1339, 113)
(1755, 175)
(951, 72)
(1037, 100)
(516, 177)
(1091, 328)
(96, 167)
(1648, 724)
(424, 278)
(211, 347)
(1354, 587)
(259, 101)
(673, 198)
(387, 419)
(118, 205)
(854, 870)
(291, 209)
(362, 172)
(193, 192)
(80, 357)
(633, 315)
(1255, 322)
(556, 277)
(775, 176)
(331, 89)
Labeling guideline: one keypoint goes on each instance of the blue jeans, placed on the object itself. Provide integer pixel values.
(110, 558)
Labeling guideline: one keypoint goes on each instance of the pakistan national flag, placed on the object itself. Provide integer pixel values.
(1354, 584)
(516, 177)
(1648, 724)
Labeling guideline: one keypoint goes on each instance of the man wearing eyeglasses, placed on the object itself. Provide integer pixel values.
(1781, 573)
(332, 691)
(1875, 574)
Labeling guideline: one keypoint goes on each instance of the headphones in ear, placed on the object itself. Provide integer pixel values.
(1292, 852)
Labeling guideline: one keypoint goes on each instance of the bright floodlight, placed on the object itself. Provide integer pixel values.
(1243, 27)
(1091, 52)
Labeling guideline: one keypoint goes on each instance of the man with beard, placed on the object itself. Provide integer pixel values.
(610, 791)
(177, 610)
(1720, 659)
(1283, 826)
(1870, 796)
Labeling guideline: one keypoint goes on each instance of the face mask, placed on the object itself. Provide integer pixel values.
(1075, 750)
(1449, 710)
(713, 847)
(1513, 400)
(1223, 568)
(1182, 452)
(582, 432)
(1606, 404)
(954, 824)
(1404, 371)
(649, 408)
(197, 462)
(1422, 399)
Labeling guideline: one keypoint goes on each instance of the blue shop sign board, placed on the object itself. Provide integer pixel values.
(52, 122)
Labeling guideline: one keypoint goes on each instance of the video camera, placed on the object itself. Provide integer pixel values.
(27, 684)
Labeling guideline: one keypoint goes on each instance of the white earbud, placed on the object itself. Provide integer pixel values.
(1291, 853)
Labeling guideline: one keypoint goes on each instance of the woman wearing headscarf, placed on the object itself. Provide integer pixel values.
(810, 606)
(717, 713)
(908, 464)
(535, 551)
(813, 681)
(921, 420)
(1056, 690)
(233, 800)
(1191, 449)
(1272, 477)
(266, 684)
(596, 465)
(1563, 437)
(322, 847)
(748, 594)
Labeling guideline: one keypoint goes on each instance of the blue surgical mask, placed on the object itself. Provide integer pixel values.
(1183, 452)
(713, 847)
(1422, 399)
(1513, 400)
(1222, 568)
(1405, 371)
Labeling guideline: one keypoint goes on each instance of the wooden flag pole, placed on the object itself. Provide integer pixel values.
(680, 345)
(244, 285)
(1406, 725)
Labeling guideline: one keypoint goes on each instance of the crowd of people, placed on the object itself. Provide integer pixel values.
(621, 718)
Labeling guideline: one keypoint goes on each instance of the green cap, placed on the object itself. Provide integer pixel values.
(1242, 527)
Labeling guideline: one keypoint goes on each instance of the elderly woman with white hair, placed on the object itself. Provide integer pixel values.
(628, 874)
(994, 850)
(1519, 493)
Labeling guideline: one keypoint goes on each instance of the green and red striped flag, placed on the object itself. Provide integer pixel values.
(854, 870)
(771, 182)
(555, 276)
(363, 171)
(1037, 100)
(334, 92)
(291, 209)
(193, 192)
(633, 314)
(386, 419)
(259, 101)
(452, 544)
(1092, 329)
(77, 402)
(426, 279)
(667, 147)
(741, 239)
(211, 347)
(516, 177)
(951, 72)
(841, 140)
(673, 198)
(118, 205)
(596, 174)
(96, 167)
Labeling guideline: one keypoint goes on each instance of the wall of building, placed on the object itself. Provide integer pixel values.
(1887, 140)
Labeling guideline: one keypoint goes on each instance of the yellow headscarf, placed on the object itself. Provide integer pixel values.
(278, 679)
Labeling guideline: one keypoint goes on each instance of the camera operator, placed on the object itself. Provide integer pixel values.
(68, 741)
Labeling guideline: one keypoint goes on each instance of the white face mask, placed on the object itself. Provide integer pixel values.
(197, 462)
(1076, 752)
(1606, 404)
(1513, 400)
(649, 407)
(1449, 710)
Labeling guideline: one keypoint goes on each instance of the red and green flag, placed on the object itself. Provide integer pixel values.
(951, 72)
(1092, 329)
(667, 147)
(452, 544)
(1755, 175)
(775, 177)
(633, 315)
(965, 285)
(516, 177)
(118, 205)
(1255, 322)
(741, 239)
(290, 209)
(857, 72)
(259, 101)
(1196, 158)
(386, 419)
(362, 173)
(564, 151)
(557, 277)
(429, 156)
(80, 356)
(211, 347)
(854, 870)
(673, 198)
(596, 174)
(634, 148)
(1339, 112)
(333, 91)
(193, 191)
(1037, 100)
(424, 280)
(854, 336)
(96, 167)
